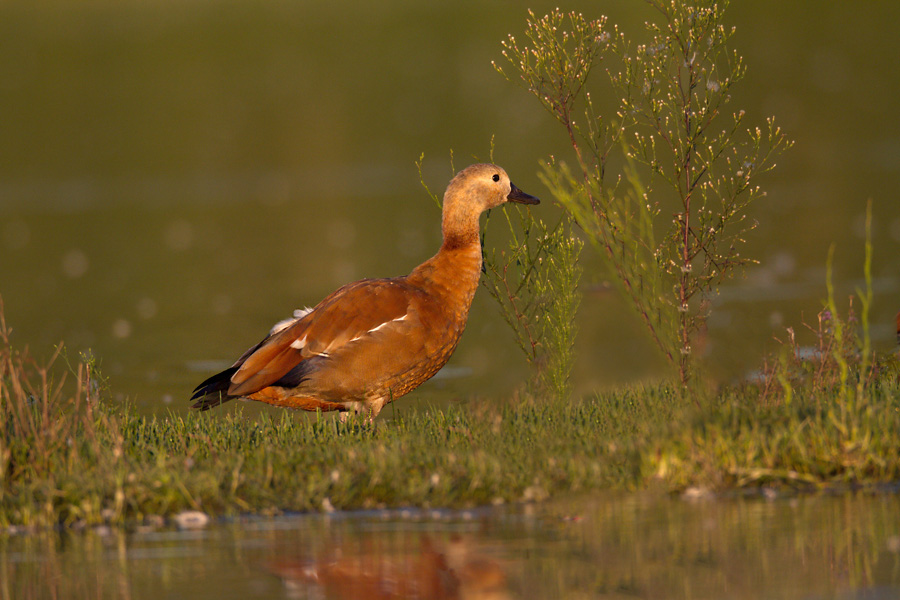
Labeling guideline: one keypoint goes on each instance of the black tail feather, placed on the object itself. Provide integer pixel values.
(214, 391)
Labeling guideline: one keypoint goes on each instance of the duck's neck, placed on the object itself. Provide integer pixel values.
(454, 271)
(459, 224)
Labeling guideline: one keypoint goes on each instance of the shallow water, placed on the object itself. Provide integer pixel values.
(177, 176)
(610, 546)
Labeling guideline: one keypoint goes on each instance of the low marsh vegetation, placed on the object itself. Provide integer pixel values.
(69, 457)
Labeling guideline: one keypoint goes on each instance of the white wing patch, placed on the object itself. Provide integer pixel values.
(300, 343)
(385, 324)
(282, 325)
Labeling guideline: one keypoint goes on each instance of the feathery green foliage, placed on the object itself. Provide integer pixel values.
(535, 283)
(669, 148)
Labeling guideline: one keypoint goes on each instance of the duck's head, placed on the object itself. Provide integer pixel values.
(480, 187)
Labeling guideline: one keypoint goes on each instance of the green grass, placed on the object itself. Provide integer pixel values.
(122, 467)
(69, 457)
(807, 444)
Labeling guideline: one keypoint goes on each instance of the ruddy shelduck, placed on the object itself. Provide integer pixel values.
(374, 340)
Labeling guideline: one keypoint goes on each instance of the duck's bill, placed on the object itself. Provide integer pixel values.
(517, 195)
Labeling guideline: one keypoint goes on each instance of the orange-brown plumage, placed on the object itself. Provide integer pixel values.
(374, 340)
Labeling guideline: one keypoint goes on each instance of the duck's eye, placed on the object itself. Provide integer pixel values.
(496, 177)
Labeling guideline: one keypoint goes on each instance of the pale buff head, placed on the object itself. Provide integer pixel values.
(474, 190)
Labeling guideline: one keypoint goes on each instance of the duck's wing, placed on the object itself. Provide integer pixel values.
(350, 314)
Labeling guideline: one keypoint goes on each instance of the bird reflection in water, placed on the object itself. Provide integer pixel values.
(448, 572)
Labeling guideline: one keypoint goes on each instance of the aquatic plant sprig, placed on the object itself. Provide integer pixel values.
(842, 360)
(534, 281)
(673, 152)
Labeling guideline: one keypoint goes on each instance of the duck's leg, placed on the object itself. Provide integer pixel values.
(370, 408)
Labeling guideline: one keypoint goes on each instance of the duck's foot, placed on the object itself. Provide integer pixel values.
(366, 419)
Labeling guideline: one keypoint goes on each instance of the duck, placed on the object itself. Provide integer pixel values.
(374, 340)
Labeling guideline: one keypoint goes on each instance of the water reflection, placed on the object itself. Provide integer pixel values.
(639, 546)
(374, 570)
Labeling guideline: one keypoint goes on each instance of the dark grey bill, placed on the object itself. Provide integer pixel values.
(517, 195)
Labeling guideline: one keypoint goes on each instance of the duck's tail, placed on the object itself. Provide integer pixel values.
(214, 391)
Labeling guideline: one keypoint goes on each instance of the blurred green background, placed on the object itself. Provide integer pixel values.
(176, 176)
